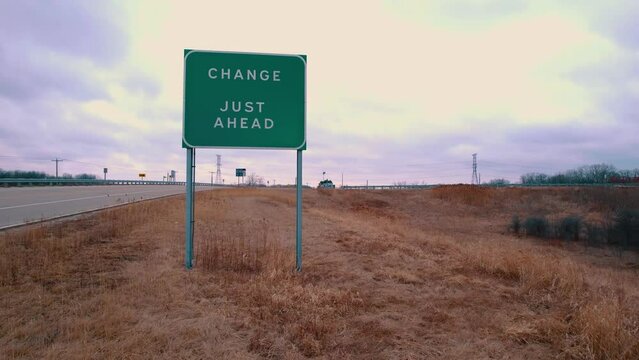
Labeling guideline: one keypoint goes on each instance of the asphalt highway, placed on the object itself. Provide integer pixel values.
(20, 205)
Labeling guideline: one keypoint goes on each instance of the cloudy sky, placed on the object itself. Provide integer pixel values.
(397, 90)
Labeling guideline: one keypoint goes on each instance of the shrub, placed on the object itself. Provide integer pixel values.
(499, 182)
(515, 224)
(537, 226)
(625, 228)
(569, 228)
(595, 235)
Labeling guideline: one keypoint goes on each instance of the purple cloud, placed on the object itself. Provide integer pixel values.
(75, 28)
(54, 48)
(619, 22)
(24, 76)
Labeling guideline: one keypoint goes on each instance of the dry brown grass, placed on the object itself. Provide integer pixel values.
(536, 273)
(466, 194)
(585, 319)
(56, 281)
(43, 253)
(248, 245)
(387, 274)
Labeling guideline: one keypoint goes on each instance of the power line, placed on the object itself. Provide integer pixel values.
(80, 162)
(446, 163)
(501, 164)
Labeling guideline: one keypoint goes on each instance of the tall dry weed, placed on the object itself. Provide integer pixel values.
(608, 327)
(249, 246)
(44, 253)
(586, 323)
(605, 199)
(307, 315)
(536, 273)
(60, 283)
(254, 265)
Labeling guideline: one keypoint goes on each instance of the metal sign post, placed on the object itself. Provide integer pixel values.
(298, 214)
(190, 171)
(243, 100)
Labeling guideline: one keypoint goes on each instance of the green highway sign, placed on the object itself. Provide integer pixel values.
(244, 100)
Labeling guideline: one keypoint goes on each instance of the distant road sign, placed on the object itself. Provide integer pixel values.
(240, 172)
(244, 100)
(142, 175)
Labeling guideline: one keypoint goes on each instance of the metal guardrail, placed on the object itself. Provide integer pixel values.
(89, 182)
(399, 187)
(564, 185)
(386, 187)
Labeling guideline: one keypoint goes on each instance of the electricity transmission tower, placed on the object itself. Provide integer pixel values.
(56, 165)
(475, 179)
(218, 173)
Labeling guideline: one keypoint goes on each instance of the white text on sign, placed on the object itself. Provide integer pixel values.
(244, 74)
(243, 122)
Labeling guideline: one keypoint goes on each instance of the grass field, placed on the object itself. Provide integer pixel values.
(416, 274)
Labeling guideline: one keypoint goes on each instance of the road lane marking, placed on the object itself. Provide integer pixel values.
(76, 199)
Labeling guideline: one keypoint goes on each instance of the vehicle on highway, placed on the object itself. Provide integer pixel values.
(326, 184)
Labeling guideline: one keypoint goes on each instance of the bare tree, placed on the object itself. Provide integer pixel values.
(254, 180)
(588, 174)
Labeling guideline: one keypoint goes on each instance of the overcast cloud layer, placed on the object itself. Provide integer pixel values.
(397, 90)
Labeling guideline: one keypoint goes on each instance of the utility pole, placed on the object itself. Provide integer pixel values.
(211, 172)
(218, 173)
(342, 179)
(56, 166)
(475, 178)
